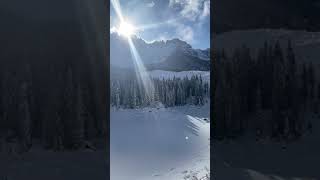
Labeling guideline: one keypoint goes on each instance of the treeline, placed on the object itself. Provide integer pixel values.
(129, 92)
(269, 95)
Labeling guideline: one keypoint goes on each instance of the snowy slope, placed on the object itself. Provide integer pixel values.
(156, 144)
(170, 74)
(306, 44)
(150, 53)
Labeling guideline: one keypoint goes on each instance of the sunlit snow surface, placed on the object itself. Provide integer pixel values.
(164, 143)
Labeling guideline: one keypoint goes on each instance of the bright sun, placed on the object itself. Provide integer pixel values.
(126, 29)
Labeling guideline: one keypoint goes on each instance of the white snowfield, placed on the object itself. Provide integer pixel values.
(249, 160)
(160, 143)
(205, 75)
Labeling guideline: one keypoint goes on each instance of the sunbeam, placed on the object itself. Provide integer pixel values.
(126, 29)
(141, 71)
(117, 8)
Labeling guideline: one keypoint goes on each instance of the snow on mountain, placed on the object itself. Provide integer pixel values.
(150, 53)
(306, 44)
(203, 54)
(160, 143)
(205, 75)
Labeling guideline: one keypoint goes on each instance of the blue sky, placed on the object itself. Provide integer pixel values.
(188, 20)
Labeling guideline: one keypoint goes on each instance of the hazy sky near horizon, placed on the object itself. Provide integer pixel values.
(188, 20)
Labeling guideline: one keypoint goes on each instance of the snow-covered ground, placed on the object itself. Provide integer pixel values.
(245, 159)
(40, 164)
(170, 74)
(157, 144)
(146, 144)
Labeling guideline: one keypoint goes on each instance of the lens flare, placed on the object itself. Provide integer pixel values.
(126, 29)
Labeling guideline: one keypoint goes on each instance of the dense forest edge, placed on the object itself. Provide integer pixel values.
(128, 92)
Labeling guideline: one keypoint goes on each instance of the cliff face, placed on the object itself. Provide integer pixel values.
(54, 70)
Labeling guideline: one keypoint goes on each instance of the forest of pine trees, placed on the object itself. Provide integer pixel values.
(269, 94)
(128, 92)
(65, 119)
(53, 75)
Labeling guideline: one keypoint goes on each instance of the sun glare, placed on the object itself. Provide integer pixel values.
(126, 29)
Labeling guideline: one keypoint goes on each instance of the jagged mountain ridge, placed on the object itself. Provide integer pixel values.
(158, 54)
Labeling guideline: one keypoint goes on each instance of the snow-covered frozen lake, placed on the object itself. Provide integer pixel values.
(245, 159)
(164, 143)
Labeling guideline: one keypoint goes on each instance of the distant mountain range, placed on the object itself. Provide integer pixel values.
(170, 55)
